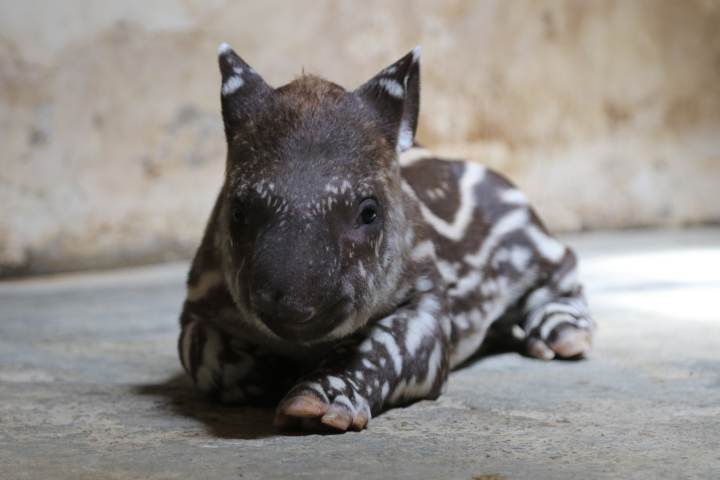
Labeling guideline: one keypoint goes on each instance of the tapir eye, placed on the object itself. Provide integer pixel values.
(368, 211)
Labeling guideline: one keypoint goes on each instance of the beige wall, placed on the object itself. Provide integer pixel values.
(606, 112)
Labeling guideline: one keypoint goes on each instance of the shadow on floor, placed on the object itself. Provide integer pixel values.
(239, 422)
(220, 420)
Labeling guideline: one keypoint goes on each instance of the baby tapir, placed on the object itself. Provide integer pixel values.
(344, 270)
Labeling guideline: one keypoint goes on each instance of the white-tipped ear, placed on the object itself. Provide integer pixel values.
(242, 91)
(223, 48)
(395, 94)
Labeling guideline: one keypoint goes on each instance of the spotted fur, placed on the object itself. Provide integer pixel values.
(298, 295)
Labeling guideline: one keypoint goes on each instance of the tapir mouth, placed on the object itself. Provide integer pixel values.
(313, 326)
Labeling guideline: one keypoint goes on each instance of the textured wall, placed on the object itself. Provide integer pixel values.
(607, 113)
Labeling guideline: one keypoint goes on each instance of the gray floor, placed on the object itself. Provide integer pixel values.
(90, 387)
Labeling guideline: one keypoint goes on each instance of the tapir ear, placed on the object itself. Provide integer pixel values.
(243, 91)
(395, 95)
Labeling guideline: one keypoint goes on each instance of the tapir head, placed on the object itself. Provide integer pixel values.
(311, 210)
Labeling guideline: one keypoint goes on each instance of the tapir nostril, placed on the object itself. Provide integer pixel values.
(275, 304)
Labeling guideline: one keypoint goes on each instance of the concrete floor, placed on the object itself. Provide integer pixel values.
(90, 387)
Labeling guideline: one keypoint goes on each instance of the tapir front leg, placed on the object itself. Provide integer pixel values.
(227, 368)
(400, 359)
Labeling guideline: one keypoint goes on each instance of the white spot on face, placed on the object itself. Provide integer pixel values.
(232, 84)
(207, 281)
(367, 364)
(379, 243)
(392, 87)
